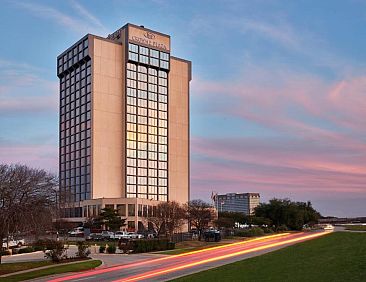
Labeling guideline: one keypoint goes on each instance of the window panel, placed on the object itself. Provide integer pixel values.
(148, 116)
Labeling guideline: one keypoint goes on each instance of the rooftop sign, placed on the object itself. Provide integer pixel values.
(148, 38)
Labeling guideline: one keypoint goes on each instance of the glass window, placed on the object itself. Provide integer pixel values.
(164, 56)
(154, 62)
(131, 162)
(144, 50)
(142, 69)
(132, 47)
(131, 209)
(144, 59)
(133, 56)
(121, 209)
(154, 53)
(131, 225)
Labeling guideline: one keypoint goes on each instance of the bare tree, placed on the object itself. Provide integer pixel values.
(199, 214)
(27, 199)
(169, 217)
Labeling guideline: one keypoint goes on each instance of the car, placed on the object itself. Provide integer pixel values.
(133, 235)
(108, 235)
(76, 232)
(94, 237)
(212, 235)
(328, 227)
(121, 235)
(11, 242)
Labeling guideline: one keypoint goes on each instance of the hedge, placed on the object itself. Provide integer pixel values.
(144, 246)
(252, 232)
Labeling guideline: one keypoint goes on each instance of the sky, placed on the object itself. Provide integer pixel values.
(278, 94)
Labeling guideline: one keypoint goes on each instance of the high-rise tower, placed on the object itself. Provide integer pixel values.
(124, 125)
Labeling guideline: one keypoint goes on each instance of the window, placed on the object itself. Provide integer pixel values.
(131, 209)
(131, 225)
(133, 48)
(121, 209)
(147, 107)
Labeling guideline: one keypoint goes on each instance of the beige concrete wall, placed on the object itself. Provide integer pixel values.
(108, 119)
(178, 130)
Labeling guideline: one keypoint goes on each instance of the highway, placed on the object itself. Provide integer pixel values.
(172, 266)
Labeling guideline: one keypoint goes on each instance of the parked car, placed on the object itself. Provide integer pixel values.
(133, 235)
(212, 235)
(77, 232)
(121, 235)
(94, 237)
(11, 242)
(107, 235)
(151, 235)
(328, 227)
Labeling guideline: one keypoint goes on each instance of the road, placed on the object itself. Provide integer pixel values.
(169, 267)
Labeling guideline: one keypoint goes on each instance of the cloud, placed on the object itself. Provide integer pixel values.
(87, 15)
(35, 155)
(88, 24)
(309, 141)
(24, 91)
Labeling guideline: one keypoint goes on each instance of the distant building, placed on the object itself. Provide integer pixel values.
(237, 202)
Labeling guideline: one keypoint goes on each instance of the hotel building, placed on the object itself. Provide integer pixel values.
(237, 202)
(124, 125)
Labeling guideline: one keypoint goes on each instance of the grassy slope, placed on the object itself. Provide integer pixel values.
(356, 227)
(14, 267)
(339, 256)
(53, 270)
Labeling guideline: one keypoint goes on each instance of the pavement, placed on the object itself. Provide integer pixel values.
(154, 267)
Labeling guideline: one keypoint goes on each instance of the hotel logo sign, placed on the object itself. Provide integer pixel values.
(149, 35)
(148, 38)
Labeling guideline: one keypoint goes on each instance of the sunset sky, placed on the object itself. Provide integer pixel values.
(278, 95)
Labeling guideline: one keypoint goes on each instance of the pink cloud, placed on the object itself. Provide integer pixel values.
(316, 147)
(38, 156)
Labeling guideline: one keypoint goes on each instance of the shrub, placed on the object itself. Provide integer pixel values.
(55, 250)
(282, 228)
(38, 248)
(111, 249)
(101, 249)
(143, 246)
(5, 253)
(83, 251)
(251, 232)
(26, 250)
(267, 230)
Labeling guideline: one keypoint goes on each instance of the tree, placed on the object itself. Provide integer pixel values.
(225, 222)
(283, 212)
(168, 218)
(199, 215)
(110, 218)
(27, 199)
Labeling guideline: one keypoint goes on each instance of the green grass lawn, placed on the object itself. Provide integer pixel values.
(6, 268)
(57, 269)
(356, 227)
(339, 256)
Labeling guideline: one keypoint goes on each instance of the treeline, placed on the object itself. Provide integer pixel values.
(277, 214)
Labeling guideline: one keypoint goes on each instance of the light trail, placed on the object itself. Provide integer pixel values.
(120, 267)
(188, 265)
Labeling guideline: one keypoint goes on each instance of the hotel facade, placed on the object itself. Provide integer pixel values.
(124, 125)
